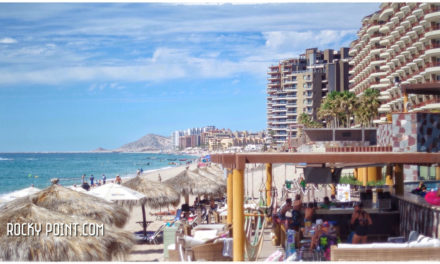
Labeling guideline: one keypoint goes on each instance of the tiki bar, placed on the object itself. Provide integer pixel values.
(403, 224)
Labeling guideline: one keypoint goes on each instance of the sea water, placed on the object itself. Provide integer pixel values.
(21, 170)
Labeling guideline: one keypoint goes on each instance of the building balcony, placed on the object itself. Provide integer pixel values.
(273, 71)
(386, 13)
(432, 68)
(433, 52)
(434, 33)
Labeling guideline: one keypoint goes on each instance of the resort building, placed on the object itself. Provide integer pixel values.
(213, 139)
(397, 45)
(297, 86)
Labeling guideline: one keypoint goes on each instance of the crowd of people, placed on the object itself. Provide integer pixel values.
(85, 185)
(291, 215)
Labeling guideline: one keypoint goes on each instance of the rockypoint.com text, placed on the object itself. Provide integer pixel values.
(55, 229)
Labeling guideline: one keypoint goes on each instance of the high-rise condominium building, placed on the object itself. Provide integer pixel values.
(298, 85)
(398, 44)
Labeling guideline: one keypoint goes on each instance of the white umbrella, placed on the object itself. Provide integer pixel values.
(119, 194)
(17, 194)
(78, 189)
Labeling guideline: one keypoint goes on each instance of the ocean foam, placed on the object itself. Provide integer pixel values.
(5, 158)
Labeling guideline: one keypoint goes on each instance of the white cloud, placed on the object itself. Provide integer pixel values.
(119, 43)
(8, 41)
(283, 41)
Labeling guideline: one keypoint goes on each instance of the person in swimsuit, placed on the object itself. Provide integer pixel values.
(360, 220)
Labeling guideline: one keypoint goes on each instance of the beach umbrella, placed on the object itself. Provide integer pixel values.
(78, 189)
(218, 175)
(219, 179)
(119, 194)
(17, 194)
(62, 237)
(215, 170)
(64, 200)
(188, 182)
(157, 194)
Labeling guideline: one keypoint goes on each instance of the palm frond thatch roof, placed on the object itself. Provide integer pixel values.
(64, 200)
(218, 178)
(112, 244)
(157, 194)
(188, 182)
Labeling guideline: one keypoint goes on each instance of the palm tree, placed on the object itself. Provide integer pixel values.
(348, 103)
(368, 107)
(308, 122)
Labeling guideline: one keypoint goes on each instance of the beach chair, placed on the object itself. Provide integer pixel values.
(153, 238)
(176, 218)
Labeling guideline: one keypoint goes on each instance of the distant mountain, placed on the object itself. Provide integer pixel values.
(100, 150)
(149, 142)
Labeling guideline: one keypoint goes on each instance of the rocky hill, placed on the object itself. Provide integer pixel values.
(149, 142)
(101, 150)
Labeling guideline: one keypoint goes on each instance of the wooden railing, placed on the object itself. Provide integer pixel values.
(360, 149)
(416, 214)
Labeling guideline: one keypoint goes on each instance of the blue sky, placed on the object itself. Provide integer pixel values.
(74, 77)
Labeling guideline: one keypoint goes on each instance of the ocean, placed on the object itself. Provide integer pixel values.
(21, 170)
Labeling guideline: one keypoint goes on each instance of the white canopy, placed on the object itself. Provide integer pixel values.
(118, 193)
(78, 189)
(17, 194)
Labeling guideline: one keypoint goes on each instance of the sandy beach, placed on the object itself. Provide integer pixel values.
(255, 177)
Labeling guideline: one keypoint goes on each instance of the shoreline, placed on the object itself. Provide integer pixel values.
(77, 181)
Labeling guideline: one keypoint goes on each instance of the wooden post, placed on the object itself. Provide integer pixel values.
(372, 174)
(437, 172)
(187, 198)
(229, 197)
(268, 183)
(389, 176)
(238, 213)
(364, 173)
(398, 178)
(144, 218)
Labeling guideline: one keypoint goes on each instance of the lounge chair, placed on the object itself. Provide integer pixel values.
(153, 237)
(176, 218)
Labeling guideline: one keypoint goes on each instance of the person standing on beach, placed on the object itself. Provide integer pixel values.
(83, 178)
(91, 180)
(118, 179)
(104, 178)
(160, 178)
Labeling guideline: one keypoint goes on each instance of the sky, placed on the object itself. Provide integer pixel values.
(78, 76)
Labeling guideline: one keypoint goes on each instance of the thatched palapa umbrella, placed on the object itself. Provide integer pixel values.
(157, 194)
(76, 244)
(64, 200)
(212, 175)
(188, 182)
